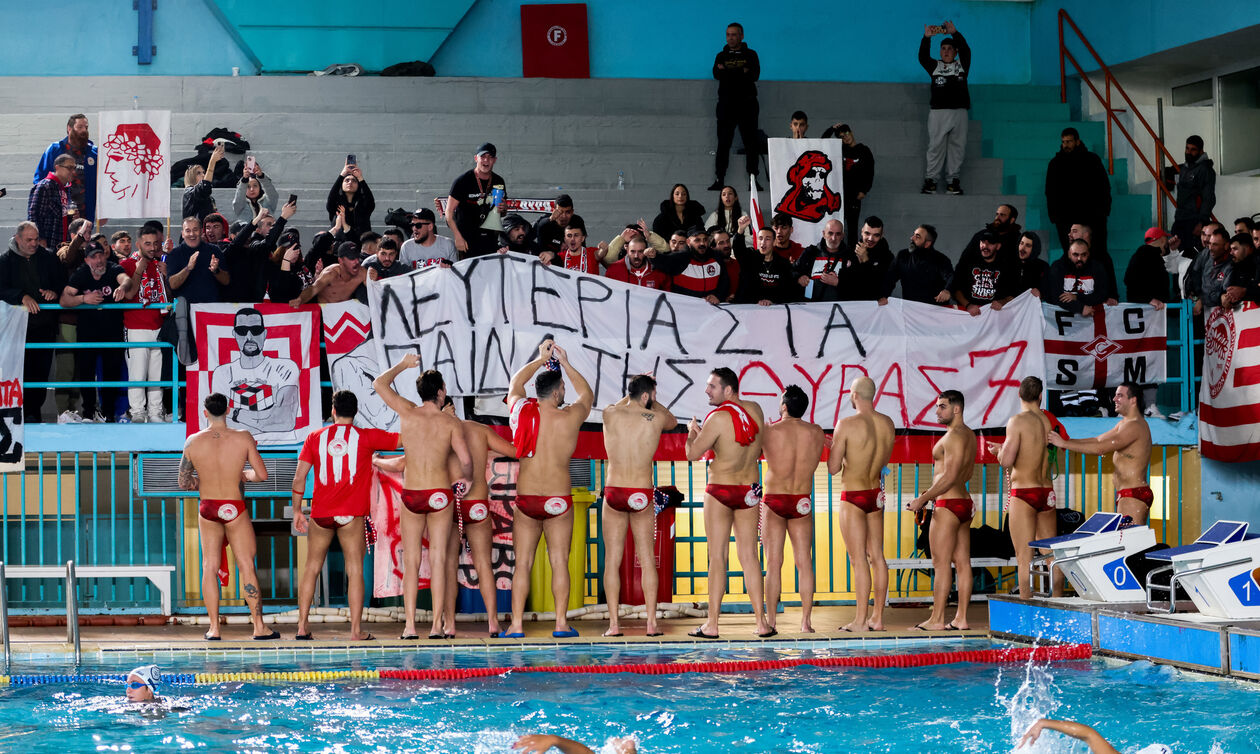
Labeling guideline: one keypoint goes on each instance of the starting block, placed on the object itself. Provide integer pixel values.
(1093, 558)
(1220, 572)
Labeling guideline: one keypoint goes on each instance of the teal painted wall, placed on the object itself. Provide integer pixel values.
(1229, 493)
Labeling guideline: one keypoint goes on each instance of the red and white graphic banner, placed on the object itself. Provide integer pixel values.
(12, 364)
(265, 359)
(134, 164)
(1229, 396)
(1115, 344)
(352, 361)
(807, 185)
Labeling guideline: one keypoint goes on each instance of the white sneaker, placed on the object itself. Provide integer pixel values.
(162, 418)
(1153, 412)
(69, 417)
(97, 418)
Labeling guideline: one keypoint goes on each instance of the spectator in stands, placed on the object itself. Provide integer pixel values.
(215, 229)
(677, 241)
(947, 120)
(636, 269)
(99, 281)
(1078, 189)
(924, 272)
(1244, 280)
(1255, 236)
(80, 147)
(1004, 227)
(1244, 225)
(1209, 272)
(1146, 279)
(1196, 192)
(254, 192)
(516, 236)
(575, 254)
(71, 254)
(473, 196)
(146, 268)
(248, 257)
(679, 212)
(549, 230)
(30, 275)
(1076, 282)
(984, 277)
(49, 205)
(384, 263)
(817, 271)
(865, 276)
(339, 282)
(321, 254)
(766, 277)
(288, 275)
(736, 69)
(655, 244)
(399, 236)
(198, 198)
(730, 216)
(195, 266)
(784, 246)
(1029, 269)
(368, 243)
(727, 251)
(798, 124)
(859, 172)
(1099, 255)
(696, 271)
(120, 245)
(425, 247)
(351, 198)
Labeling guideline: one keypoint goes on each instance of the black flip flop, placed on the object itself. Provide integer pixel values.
(658, 633)
(611, 636)
(700, 634)
(369, 637)
(304, 637)
(269, 637)
(951, 627)
(410, 637)
(769, 634)
(436, 636)
(208, 637)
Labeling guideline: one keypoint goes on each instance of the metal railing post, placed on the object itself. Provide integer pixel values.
(4, 616)
(72, 612)
(1062, 63)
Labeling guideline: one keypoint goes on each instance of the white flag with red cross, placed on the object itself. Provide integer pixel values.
(1229, 396)
(1115, 344)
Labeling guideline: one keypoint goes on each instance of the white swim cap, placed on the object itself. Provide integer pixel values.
(149, 674)
(1155, 749)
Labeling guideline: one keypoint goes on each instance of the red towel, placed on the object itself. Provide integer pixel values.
(746, 428)
(524, 421)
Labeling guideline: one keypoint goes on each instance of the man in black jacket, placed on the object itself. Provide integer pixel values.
(765, 278)
(1030, 269)
(1076, 282)
(818, 268)
(983, 277)
(1196, 192)
(1244, 280)
(31, 275)
(947, 119)
(549, 230)
(1078, 190)
(864, 276)
(736, 69)
(859, 172)
(924, 272)
(248, 257)
(1003, 227)
(1146, 279)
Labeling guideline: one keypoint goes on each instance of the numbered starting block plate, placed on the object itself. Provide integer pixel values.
(1220, 571)
(1093, 558)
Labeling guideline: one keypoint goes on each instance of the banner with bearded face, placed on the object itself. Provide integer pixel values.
(807, 184)
(134, 164)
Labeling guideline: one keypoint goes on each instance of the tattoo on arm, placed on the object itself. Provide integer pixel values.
(186, 479)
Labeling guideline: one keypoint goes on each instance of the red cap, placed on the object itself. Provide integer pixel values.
(1154, 234)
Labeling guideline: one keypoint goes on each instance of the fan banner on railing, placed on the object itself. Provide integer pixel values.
(352, 361)
(12, 364)
(482, 319)
(807, 185)
(134, 178)
(1229, 396)
(265, 359)
(1115, 344)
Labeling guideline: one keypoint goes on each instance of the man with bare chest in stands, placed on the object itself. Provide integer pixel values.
(338, 282)
(732, 430)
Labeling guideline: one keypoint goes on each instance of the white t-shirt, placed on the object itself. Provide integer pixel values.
(415, 256)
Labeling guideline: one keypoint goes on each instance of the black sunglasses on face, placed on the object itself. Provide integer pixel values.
(249, 329)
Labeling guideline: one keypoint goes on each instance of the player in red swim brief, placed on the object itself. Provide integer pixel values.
(867, 501)
(544, 507)
(422, 502)
(1144, 493)
(737, 497)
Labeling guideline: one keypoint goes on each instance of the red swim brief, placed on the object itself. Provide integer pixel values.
(1138, 493)
(737, 497)
(543, 507)
(474, 511)
(867, 501)
(1040, 498)
(789, 506)
(628, 499)
(962, 507)
(221, 511)
(332, 522)
(421, 502)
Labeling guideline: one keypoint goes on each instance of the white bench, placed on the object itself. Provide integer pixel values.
(925, 564)
(160, 575)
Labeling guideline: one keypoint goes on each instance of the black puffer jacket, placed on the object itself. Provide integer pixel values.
(666, 222)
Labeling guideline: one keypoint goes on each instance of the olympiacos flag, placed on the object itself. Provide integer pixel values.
(807, 184)
(134, 164)
(12, 361)
(1229, 397)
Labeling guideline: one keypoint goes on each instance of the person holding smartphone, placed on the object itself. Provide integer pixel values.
(947, 119)
(253, 193)
(351, 192)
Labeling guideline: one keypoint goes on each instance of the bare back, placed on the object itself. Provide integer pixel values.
(862, 446)
(341, 285)
(632, 434)
(479, 438)
(547, 472)
(1132, 460)
(793, 449)
(219, 456)
(426, 438)
(1032, 462)
(734, 463)
(956, 448)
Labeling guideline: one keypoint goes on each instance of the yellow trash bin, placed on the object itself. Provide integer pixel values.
(540, 599)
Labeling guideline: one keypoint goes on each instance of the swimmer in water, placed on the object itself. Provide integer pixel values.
(142, 684)
(538, 743)
(1092, 738)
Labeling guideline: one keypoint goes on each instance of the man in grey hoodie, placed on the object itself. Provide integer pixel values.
(1196, 193)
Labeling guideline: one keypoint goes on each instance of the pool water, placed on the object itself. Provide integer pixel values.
(949, 708)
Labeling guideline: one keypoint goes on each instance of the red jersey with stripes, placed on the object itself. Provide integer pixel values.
(341, 457)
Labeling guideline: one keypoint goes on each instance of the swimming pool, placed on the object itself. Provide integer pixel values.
(962, 707)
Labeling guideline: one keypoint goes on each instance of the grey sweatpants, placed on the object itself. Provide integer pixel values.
(947, 137)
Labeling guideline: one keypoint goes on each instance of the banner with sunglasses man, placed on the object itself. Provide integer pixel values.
(265, 359)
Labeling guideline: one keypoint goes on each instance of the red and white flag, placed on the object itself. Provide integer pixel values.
(352, 361)
(1229, 397)
(754, 206)
(134, 164)
(1115, 344)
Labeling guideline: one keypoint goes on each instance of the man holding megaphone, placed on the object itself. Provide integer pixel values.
(472, 209)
